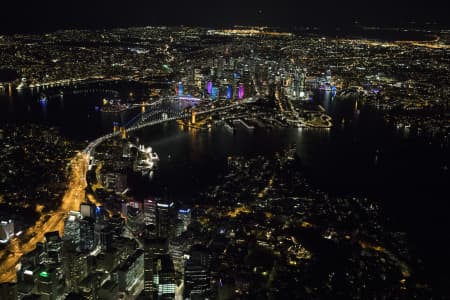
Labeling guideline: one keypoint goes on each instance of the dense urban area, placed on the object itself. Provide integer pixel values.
(73, 228)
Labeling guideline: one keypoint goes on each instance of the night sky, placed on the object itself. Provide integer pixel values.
(47, 15)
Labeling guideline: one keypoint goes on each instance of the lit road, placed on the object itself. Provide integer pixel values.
(73, 197)
(54, 221)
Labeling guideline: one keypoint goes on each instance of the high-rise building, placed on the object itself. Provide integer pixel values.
(164, 277)
(150, 212)
(50, 284)
(106, 239)
(75, 269)
(209, 87)
(165, 218)
(72, 229)
(328, 77)
(130, 272)
(117, 224)
(88, 210)
(229, 92)
(53, 247)
(197, 275)
(180, 89)
(87, 234)
(152, 248)
(241, 91)
(133, 210)
(215, 93)
(184, 215)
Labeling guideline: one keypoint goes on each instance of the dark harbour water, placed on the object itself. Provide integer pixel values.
(408, 180)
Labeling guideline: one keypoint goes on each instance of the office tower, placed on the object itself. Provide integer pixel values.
(29, 269)
(229, 92)
(164, 277)
(71, 234)
(75, 269)
(328, 77)
(88, 210)
(165, 216)
(135, 216)
(53, 247)
(117, 224)
(241, 91)
(150, 212)
(87, 234)
(209, 87)
(130, 272)
(89, 286)
(50, 284)
(106, 238)
(184, 215)
(152, 248)
(180, 89)
(215, 93)
(197, 275)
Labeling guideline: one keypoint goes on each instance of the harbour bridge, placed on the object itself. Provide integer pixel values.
(159, 112)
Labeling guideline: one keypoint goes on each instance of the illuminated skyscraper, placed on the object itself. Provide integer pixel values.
(72, 229)
(180, 89)
(88, 210)
(50, 284)
(328, 77)
(130, 272)
(53, 247)
(75, 268)
(150, 212)
(241, 92)
(152, 248)
(184, 215)
(165, 218)
(117, 224)
(209, 87)
(87, 234)
(215, 93)
(164, 277)
(106, 238)
(229, 92)
(197, 275)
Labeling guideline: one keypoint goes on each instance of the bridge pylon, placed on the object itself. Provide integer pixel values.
(123, 133)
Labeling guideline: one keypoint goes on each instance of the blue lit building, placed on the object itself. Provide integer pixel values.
(229, 92)
(215, 93)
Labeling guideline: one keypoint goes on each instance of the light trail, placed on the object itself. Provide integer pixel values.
(54, 221)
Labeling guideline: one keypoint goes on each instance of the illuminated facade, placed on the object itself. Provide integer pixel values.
(241, 91)
(209, 87)
(229, 92)
(165, 217)
(72, 229)
(215, 93)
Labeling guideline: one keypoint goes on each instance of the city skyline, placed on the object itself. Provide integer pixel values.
(55, 15)
(307, 158)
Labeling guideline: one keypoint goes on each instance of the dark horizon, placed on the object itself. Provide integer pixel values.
(53, 15)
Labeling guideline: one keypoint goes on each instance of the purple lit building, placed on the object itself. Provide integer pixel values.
(241, 91)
